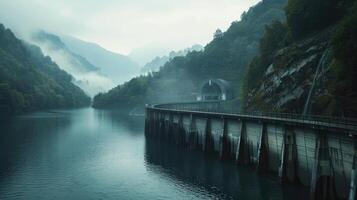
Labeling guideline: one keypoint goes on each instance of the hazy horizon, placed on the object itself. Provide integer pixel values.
(123, 26)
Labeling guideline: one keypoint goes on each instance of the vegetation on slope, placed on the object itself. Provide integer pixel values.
(276, 36)
(308, 21)
(306, 16)
(225, 57)
(281, 59)
(29, 81)
(345, 65)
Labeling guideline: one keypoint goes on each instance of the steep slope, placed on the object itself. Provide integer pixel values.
(307, 66)
(225, 57)
(285, 83)
(54, 44)
(117, 67)
(157, 62)
(86, 75)
(29, 81)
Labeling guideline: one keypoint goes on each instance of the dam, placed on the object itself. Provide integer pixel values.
(315, 151)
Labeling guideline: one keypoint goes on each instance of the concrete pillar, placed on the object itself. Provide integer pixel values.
(289, 160)
(322, 180)
(157, 122)
(158, 128)
(165, 127)
(224, 142)
(209, 144)
(162, 125)
(147, 122)
(175, 128)
(169, 129)
(193, 132)
(241, 152)
(263, 161)
(353, 184)
(181, 131)
(153, 124)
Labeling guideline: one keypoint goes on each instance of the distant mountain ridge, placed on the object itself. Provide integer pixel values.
(86, 75)
(225, 57)
(156, 63)
(117, 67)
(143, 55)
(55, 43)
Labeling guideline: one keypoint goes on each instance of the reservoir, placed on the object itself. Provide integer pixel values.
(94, 154)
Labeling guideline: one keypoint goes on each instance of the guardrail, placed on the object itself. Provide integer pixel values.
(227, 107)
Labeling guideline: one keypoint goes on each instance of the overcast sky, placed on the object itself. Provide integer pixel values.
(124, 25)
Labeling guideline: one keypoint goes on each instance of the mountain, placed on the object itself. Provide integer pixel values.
(86, 75)
(58, 48)
(158, 62)
(117, 67)
(145, 54)
(308, 64)
(226, 56)
(30, 81)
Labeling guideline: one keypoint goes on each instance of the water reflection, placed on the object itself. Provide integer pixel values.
(17, 138)
(133, 123)
(220, 179)
(91, 154)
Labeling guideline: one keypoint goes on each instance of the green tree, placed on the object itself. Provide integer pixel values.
(345, 51)
(306, 16)
(31, 81)
(276, 36)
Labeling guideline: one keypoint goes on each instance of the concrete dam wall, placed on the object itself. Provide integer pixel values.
(319, 155)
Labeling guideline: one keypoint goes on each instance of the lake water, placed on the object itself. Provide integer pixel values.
(91, 154)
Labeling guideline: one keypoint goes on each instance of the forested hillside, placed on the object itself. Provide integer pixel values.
(29, 81)
(86, 75)
(225, 57)
(308, 64)
(52, 42)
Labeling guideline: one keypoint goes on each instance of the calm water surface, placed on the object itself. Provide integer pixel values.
(90, 154)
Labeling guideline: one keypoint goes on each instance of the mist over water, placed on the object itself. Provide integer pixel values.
(89, 154)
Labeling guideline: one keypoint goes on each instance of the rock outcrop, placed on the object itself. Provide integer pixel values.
(297, 80)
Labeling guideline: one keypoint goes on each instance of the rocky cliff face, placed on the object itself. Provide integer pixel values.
(298, 80)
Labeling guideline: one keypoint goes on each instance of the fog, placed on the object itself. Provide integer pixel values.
(125, 25)
(91, 81)
(141, 29)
